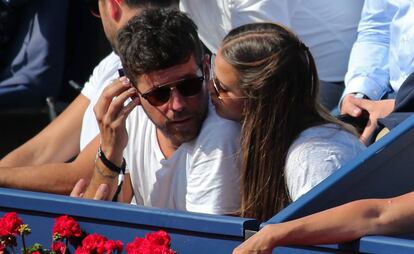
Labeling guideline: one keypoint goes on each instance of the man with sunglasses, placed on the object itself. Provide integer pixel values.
(199, 175)
(160, 126)
(44, 155)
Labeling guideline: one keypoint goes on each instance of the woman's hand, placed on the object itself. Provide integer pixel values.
(260, 243)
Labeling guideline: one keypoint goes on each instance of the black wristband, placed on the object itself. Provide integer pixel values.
(109, 164)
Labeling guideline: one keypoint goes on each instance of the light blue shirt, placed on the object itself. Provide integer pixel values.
(382, 56)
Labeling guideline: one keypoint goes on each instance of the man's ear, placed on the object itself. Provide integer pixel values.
(115, 9)
(206, 66)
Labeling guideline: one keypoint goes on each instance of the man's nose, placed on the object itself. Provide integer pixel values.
(177, 101)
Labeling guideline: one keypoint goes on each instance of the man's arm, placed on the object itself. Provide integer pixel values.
(111, 112)
(337, 225)
(368, 71)
(58, 142)
(54, 178)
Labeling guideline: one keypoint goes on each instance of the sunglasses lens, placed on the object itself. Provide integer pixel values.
(190, 87)
(186, 88)
(159, 96)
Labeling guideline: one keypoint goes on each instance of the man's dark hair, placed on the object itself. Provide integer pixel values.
(151, 3)
(157, 39)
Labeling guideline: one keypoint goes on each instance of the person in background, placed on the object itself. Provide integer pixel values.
(32, 57)
(380, 61)
(265, 78)
(42, 157)
(328, 27)
(8, 24)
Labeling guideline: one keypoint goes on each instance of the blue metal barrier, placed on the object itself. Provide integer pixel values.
(190, 232)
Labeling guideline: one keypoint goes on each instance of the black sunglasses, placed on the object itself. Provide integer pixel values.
(160, 95)
(218, 89)
(94, 7)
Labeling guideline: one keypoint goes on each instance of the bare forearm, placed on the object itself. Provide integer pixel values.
(30, 154)
(348, 222)
(18, 158)
(58, 142)
(336, 225)
(341, 224)
(51, 178)
(102, 175)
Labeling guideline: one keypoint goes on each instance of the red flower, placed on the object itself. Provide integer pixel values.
(66, 227)
(10, 224)
(147, 248)
(159, 238)
(112, 246)
(162, 250)
(153, 243)
(137, 246)
(58, 247)
(93, 242)
(81, 250)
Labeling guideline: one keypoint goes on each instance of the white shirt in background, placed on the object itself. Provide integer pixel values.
(103, 75)
(327, 27)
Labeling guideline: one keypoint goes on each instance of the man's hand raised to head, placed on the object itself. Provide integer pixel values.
(111, 111)
(376, 109)
(111, 115)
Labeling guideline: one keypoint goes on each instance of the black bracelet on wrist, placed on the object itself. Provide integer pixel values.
(111, 165)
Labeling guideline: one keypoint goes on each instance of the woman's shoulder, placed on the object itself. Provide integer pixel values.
(328, 136)
(317, 153)
(324, 131)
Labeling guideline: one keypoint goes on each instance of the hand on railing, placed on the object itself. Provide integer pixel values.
(80, 187)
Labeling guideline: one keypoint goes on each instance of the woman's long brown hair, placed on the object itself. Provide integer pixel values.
(278, 75)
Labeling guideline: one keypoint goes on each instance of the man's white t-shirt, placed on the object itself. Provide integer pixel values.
(103, 74)
(316, 154)
(327, 27)
(201, 176)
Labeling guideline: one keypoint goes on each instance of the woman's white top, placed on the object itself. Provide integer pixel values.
(316, 154)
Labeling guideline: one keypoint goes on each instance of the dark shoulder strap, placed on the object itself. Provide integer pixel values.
(404, 101)
(404, 105)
